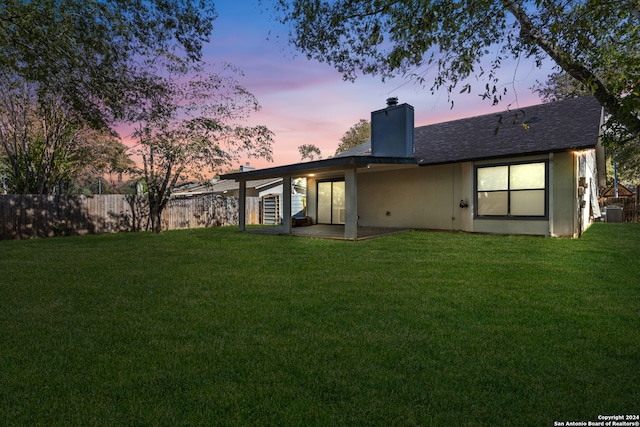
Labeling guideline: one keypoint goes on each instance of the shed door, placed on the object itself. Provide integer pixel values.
(331, 202)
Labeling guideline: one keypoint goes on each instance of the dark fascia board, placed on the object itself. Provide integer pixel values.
(424, 162)
(319, 166)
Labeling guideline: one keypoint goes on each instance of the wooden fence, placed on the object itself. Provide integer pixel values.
(208, 211)
(28, 216)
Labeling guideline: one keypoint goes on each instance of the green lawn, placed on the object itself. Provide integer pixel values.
(216, 327)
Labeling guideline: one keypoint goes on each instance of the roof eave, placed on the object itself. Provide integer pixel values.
(424, 162)
(319, 166)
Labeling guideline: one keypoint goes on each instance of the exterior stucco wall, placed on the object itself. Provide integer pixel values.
(513, 226)
(588, 177)
(312, 199)
(429, 197)
(575, 208)
(417, 197)
(564, 195)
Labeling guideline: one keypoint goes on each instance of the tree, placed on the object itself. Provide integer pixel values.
(46, 146)
(559, 86)
(309, 151)
(356, 135)
(625, 152)
(105, 173)
(94, 54)
(192, 129)
(627, 164)
(92, 63)
(594, 41)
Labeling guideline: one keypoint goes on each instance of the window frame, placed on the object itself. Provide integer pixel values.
(509, 191)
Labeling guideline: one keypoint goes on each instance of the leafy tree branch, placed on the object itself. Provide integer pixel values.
(441, 44)
(96, 53)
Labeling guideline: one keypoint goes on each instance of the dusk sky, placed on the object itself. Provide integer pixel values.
(306, 102)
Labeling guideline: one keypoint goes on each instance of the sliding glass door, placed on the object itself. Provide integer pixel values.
(331, 202)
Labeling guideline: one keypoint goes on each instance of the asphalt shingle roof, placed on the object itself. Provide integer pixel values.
(552, 127)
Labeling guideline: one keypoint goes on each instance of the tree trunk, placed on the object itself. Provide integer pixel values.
(155, 214)
(157, 222)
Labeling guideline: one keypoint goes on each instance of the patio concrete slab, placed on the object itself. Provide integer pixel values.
(323, 231)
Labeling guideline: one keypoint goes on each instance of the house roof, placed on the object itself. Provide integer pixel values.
(553, 127)
(228, 185)
(222, 186)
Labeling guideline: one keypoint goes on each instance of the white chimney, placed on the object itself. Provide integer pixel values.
(246, 168)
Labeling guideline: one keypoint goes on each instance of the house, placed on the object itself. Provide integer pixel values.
(533, 171)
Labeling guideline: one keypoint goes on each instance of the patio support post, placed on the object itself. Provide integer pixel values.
(286, 204)
(351, 204)
(242, 205)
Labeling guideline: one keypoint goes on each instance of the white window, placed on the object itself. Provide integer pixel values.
(512, 190)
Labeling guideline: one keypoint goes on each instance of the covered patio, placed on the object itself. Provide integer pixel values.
(345, 168)
(326, 231)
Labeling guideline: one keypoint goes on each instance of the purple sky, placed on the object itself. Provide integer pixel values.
(305, 102)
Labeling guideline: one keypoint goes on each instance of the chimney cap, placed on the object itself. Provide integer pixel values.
(393, 101)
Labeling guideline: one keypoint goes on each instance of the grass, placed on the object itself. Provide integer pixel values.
(216, 327)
